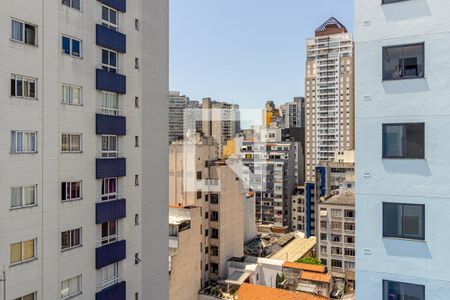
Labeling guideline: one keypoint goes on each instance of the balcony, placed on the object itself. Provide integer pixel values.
(114, 292)
(110, 167)
(111, 82)
(110, 253)
(110, 210)
(110, 124)
(120, 5)
(110, 39)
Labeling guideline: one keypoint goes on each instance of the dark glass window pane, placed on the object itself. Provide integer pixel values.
(30, 34)
(392, 220)
(76, 48)
(413, 291)
(393, 137)
(32, 89)
(415, 141)
(105, 13)
(105, 57)
(13, 87)
(113, 59)
(65, 240)
(413, 61)
(113, 17)
(413, 221)
(66, 45)
(63, 191)
(392, 63)
(76, 4)
(19, 88)
(405, 61)
(392, 291)
(66, 2)
(105, 229)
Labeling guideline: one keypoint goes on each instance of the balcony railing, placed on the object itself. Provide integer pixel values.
(110, 167)
(110, 253)
(110, 124)
(111, 82)
(113, 292)
(111, 39)
(110, 210)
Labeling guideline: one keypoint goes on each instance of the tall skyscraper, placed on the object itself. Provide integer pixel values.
(401, 153)
(83, 118)
(177, 107)
(329, 100)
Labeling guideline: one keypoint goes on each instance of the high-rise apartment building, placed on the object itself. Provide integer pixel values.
(294, 113)
(329, 100)
(197, 178)
(221, 121)
(401, 153)
(84, 169)
(177, 106)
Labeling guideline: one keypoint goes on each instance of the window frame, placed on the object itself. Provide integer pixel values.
(105, 107)
(383, 2)
(71, 53)
(22, 196)
(80, 281)
(13, 148)
(71, 94)
(403, 141)
(22, 260)
(71, 144)
(384, 287)
(70, 239)
(402, 46)
(109, 281)
(110, 238)
(108, 23)
(68, 190)
(23, 79)
(23, 33)
(105, 184)
(108, 66)
(111, 139)
(71, 5)
(34, 294)
(402, 235)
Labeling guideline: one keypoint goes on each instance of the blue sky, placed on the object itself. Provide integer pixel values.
(245, 51)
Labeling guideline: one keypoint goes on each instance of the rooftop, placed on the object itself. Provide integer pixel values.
(345, 198)
(331, 26)
(257, 292)
(314, 276)
(296, 249)
(305, 267)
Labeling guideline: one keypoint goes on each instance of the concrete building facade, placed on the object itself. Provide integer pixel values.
(294, 113)
(329, 99)
(402, 125)
(78, 79)
(177, 105)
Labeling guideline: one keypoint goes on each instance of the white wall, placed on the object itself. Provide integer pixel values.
(409, 181)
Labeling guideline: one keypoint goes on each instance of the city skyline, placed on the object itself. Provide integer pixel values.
(277, 70)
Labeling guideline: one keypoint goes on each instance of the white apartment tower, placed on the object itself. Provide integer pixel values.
(83, 166)
(402, 121)
(294, 113)
(329, 84)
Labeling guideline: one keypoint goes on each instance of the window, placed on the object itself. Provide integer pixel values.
(214, 216)
(136, 24)
(109, 146)
(323, 225)
(391, 1)
(109, 17)
(110, 104)
(23, 196)
(109, 189)
(214, 199)
(336, 251)
(70, 191)
(136, 180)
(349, 213)
(136, 219)
(199, 194)
(70, 239)
(199, 175)
(206, 232)
(22, 251)
(214, 233)
(206, 250)
(323, 249)
(214, 268)
(402, 62)
(404, 140)
(349, 265)
(136, 141)
(404, 220)
(23, 32)
(349, 226)
(24, 87)
(71, 287)
(336, 213)
(109, 232)
(109, 60)
(76, 4)
(349, 252)
(136, 102)
(335, 225)
(393, 290)
(31, 296)
(349, 239)
(71, 94)
(71, 46)
(109, 275)
(323, 236)
(214, 250)
(335, 263)
(71, 142)
(23, 142)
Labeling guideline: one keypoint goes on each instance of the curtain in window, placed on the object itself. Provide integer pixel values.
(15, 252)
(75, 143)
(65, 288)
(75, 237)
(66, 94)
(29, 195)
(76, 95)
(17, 31)
(29, 297)
(16, 197)
(75, 285)
(65, 142)
(30, 34)
(76, 48)
(28, 249)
